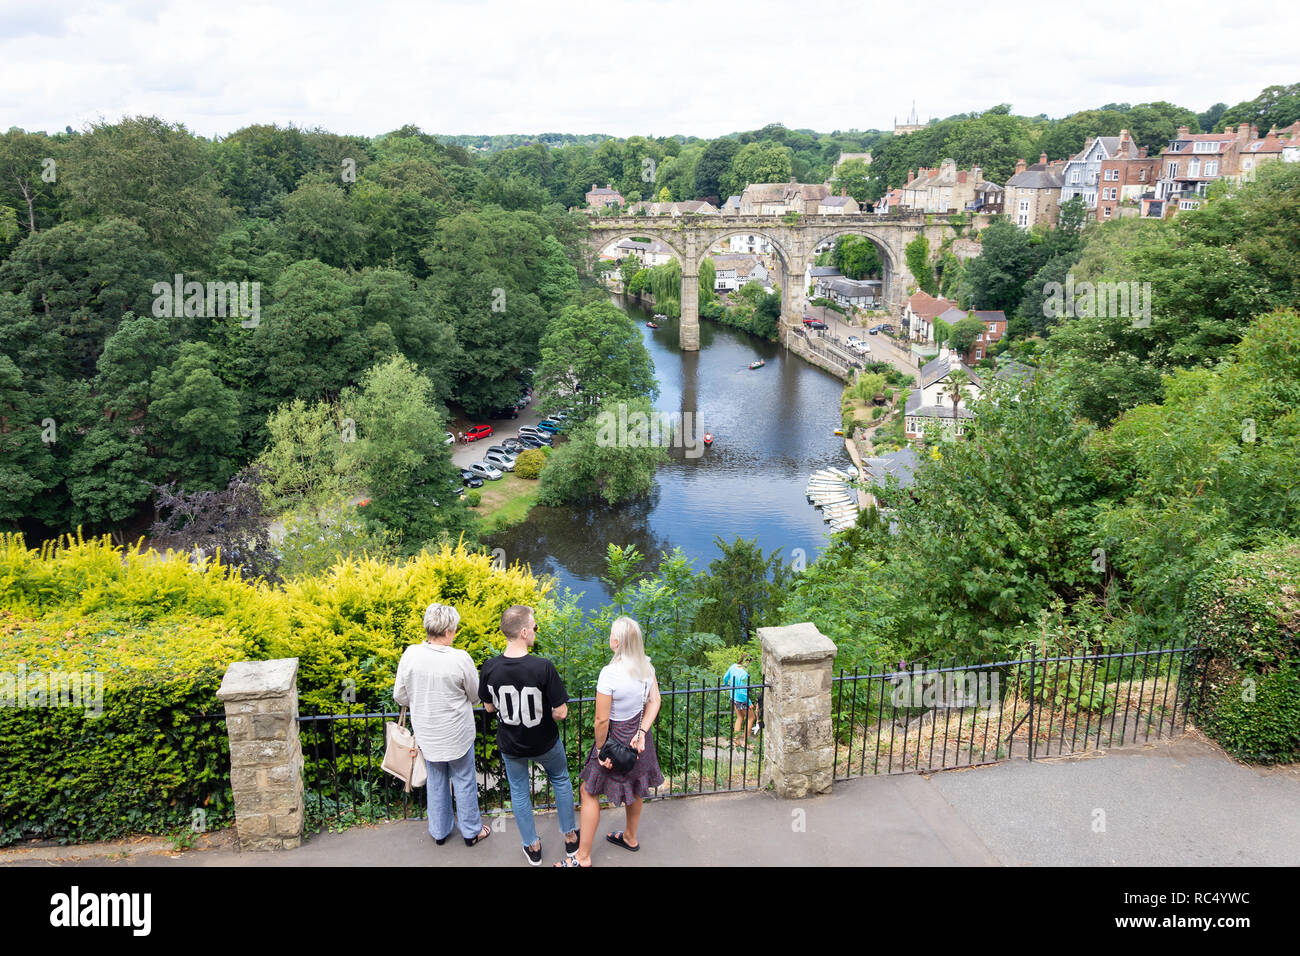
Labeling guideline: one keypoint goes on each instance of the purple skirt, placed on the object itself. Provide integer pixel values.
(622, 788)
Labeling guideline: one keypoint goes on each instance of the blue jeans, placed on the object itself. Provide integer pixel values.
(446, 777)
(521, 795)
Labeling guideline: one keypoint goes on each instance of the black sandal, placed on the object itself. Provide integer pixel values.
(482, 835)
(618, 841)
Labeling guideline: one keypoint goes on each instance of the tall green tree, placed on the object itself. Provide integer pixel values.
(598, 347)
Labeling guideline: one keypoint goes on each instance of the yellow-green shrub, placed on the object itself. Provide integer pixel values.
(355, 620)
(162, 630)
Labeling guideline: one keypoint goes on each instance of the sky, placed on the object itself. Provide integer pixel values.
(620, 67)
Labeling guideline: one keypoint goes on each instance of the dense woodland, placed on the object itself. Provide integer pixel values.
(402, 274)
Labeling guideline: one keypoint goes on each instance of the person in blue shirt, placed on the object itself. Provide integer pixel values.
(737, 678)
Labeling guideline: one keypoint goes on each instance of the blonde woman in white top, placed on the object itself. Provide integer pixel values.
(627, 703)
(440, 685)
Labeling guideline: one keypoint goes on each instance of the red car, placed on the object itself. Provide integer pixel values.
(811, 323)
(477, 432)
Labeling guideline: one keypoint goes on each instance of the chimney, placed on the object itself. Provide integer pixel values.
(910, 176)
(1142, 152)
(961, 175)
(1020, 166)
(976, 173)
(1042, 158)
(1184, 132)
(593, 187)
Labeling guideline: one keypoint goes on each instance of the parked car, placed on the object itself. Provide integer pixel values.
(550, 425)
(511, 411)
(470, 479)
(853, 341)
(477, 432)
(500, 460)
(535, 433)
(528, 442)
(450, 439)
(811, 323)
(512, 445)
(485, 470)
(501, 450)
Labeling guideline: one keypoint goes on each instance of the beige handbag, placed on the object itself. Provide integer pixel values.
(402, 757)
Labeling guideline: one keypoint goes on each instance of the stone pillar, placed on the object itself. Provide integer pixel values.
(689, 334)
(794, 298)
(261, 699)
(798, 744)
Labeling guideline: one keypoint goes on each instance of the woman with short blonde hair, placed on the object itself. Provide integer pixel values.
(627, 703)
(440, 684)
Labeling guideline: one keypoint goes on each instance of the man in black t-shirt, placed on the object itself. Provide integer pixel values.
(528, 697)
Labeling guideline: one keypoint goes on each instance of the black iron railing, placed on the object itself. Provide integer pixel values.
(695, 737)
(927, 718)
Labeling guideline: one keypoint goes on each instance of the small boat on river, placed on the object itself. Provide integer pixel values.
(652, 325)
(759, 364)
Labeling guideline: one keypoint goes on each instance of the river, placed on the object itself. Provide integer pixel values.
(771, 426)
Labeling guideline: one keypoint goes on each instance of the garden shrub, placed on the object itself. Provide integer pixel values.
(1245, 611)
(529, 463)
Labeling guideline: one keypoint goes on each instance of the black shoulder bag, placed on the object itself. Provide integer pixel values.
(622, 755)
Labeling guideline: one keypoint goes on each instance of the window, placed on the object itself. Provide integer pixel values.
(1106, 212)
(1193, 167)
(1112, 175)
(1074, 177)
(1171, 170)
(1212, 167)
(1024, 205)
(1022, 220)
(1205, 147)
(1142, 175)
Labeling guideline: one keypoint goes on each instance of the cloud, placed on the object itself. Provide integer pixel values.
(623, 67)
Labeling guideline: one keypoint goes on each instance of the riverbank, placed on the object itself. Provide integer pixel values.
(505, 503)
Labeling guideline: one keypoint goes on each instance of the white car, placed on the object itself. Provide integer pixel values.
(500, 461)
(485, 470)
(450, 439)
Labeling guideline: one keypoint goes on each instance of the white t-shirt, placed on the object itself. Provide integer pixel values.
(626, 691)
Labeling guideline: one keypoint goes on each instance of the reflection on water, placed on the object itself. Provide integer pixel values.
(771, 427)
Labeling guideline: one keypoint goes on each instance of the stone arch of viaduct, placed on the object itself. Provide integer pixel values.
(691, 237)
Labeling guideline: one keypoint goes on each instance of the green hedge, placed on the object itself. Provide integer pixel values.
(1245, 610)
(137, 755)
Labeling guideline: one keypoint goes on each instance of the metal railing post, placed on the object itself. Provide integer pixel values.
(1030, 748)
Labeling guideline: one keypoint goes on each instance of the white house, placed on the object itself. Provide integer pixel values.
(849, 293)
(929, 407)
(652, 253)
(746, 243)
(919, 313)
(734, 271)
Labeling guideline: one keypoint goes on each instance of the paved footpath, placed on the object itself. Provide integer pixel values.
(1173, 803)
